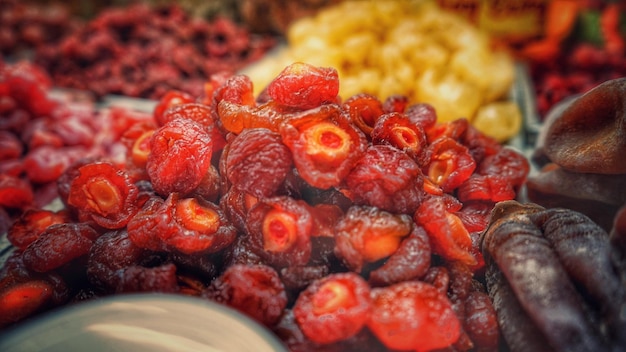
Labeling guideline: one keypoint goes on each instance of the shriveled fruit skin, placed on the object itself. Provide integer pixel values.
(58, 245)
(255, 290)
(180, 155)
(258, 162)
(304, 86)
(387, 178)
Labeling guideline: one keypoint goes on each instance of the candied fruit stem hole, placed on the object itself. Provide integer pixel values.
(103, 196)
(380, 246)
(441, 168)
(279, 231)
(330, 297)
(461, 235)
(405, 137)
(327, 142)
(250, 201)
(431, 188)
(197, 217)
(141, 149)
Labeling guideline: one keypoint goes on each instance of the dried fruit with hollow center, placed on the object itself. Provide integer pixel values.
(333, 308)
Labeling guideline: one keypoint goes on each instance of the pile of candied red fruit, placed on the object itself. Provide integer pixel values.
(338, 224)
(42, 132)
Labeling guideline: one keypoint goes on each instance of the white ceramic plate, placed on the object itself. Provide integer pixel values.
(142, 322)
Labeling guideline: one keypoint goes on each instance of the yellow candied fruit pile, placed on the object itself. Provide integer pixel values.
(412, 48)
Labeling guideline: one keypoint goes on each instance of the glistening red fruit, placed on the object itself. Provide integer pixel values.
(333, 308)
(413, 315)
(304, 86)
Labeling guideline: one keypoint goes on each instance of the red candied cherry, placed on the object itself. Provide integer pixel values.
(397, 130)
(192, 225)
(413, 315)
(180, 155)
(43, 254)
(27, 228)
(236, 89)
(202, 114)
(410, 261)
(258, 162)
(422, 114)
(455, 129)
(280, 229)
(46, 163)
(324, 144)
(448, 236)
(333, 308)
(481, 322)
(367, 234)
(508, 164)
(304, 86)
(395, 103)
(494, 188)
(364, 110)
(255, 290)
(15, 192)
(23, 300)
(104, 194)
(169, 99)
(10, 146)
(449, 163)
(143, 226)
(387, 178)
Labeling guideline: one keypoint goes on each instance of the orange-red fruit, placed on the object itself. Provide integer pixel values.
(333, 308)
(413, 315)
(304, 86)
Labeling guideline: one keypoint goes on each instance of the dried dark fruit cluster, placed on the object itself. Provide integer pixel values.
(43, 133)
(144, 51)
(581, 155)
(340, 225)
(27, 25)
(556, 279)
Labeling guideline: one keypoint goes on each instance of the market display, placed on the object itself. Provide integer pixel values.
(144, 51)
(25, 27)
(408, 48)
(379, 181)
(44, 132)
(343, 212)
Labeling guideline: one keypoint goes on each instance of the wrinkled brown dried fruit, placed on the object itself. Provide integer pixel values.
(547, 264)
(590, 134)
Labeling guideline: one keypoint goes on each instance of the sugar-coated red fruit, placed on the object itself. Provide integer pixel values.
(304, 86)
(255, 290)
(104, 194)
(413, 315)
(180, 155)
(58, 245)
(333, 308)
